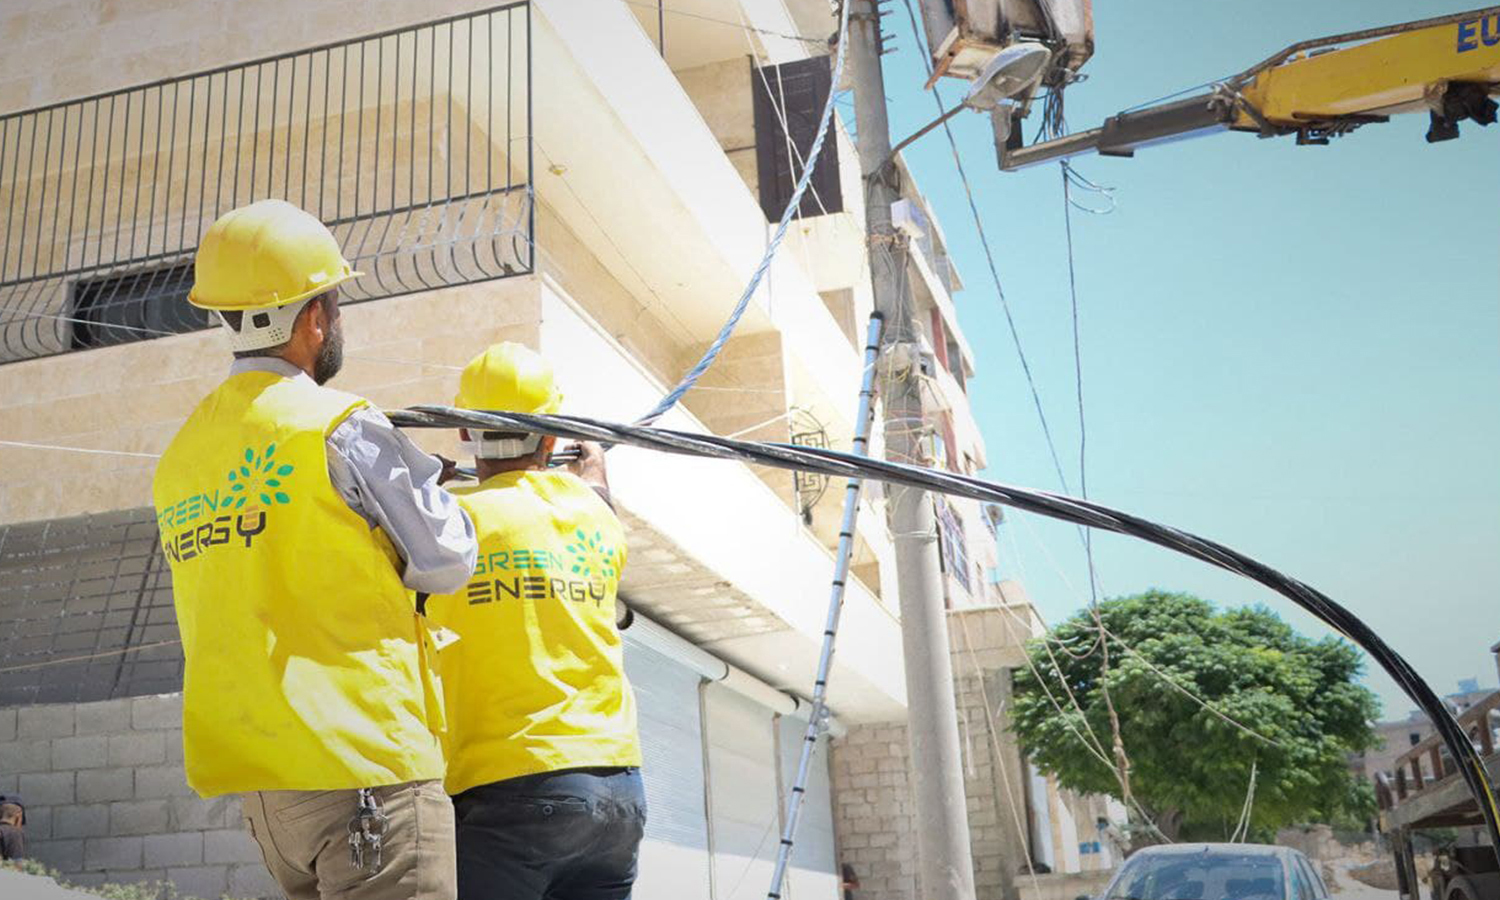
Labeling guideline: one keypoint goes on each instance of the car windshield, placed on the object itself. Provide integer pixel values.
(1210, 875)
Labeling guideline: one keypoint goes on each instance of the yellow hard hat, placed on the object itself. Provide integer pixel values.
(508, 377)
(268, 254)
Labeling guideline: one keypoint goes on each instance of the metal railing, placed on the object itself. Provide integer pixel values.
(1428, 762)
(414, 145)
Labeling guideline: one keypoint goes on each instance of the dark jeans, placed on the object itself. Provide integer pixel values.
(567, 835)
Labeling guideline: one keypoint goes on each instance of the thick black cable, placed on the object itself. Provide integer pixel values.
(1058, 506)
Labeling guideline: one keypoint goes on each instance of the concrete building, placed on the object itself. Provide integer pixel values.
(566, 174)
(1395, 737)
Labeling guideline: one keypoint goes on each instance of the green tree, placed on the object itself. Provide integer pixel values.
(1296, 710)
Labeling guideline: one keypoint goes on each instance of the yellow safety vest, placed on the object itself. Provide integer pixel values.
(306, 662)
(537, 681)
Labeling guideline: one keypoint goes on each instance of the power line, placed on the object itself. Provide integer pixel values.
(1070, 509)
(998, 761)
(1083, 433)
(821, 42)
(57, 448)
(1188, 693)
(1077, 510)
(1095, 747)
(1054, 107)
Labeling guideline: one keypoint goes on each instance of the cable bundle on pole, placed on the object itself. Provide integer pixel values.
(1057, 506)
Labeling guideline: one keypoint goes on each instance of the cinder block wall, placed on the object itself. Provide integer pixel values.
(874, 813)
(106, 799)
(874, 810)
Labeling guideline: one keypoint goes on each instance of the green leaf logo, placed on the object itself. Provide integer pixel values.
(261, 477)
(592, 557)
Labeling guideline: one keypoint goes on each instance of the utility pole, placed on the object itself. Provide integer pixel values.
(945, 866)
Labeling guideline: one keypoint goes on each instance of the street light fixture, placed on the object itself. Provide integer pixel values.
(1011, 73)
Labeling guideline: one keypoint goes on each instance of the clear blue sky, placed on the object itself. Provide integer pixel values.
(1293, 350)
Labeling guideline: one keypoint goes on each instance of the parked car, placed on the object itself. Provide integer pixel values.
(1217, 872)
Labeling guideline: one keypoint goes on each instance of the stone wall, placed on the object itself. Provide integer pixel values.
(133, 397)
(106, 799)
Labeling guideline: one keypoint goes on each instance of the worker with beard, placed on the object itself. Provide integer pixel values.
(300, 526)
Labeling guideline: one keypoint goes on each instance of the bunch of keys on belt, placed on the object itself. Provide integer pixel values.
(367, 833)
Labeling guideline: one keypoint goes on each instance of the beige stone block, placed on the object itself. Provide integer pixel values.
(22, 383)
(127, 488)
(30, 500)
(387, 363)
(152, 438)
(171, 402)
(410, 393)
(94, 413)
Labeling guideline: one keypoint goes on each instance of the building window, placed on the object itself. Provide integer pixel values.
(955, 359)
(789, 101)
(135, 306)
(955, 546)
(1415, 737)
(118, 187)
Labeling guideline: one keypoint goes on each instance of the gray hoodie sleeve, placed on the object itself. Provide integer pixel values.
(385, 478)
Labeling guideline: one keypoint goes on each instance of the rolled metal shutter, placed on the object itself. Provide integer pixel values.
(674, 856)
(814, 874)
(743, 793)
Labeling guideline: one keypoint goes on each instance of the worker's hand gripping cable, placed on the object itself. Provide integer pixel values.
(367, 833)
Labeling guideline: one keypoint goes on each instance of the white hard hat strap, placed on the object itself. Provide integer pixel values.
(502, 448)
(262, 328)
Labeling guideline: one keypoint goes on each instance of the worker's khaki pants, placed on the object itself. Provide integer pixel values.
(304, 837)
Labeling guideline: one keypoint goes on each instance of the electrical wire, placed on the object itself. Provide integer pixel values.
(1159, 673)
(997, 761)
(1058, 506)
(825, 125)
(1094, 746)
(1083, 432)
(103, 654)
(729, 24)
(777, 100)
(1054, 103)
(1242, 827)
(62, 449)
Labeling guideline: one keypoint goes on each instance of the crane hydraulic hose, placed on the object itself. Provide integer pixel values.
(1057, 506)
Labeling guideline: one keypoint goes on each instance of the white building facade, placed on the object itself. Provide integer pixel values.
(595, 179)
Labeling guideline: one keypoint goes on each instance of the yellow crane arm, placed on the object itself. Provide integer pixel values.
(1448, 66)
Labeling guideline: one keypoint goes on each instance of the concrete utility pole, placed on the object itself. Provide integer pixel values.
(945, 865)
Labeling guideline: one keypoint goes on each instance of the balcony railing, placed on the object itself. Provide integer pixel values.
(413, 145)
(1428, 762)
